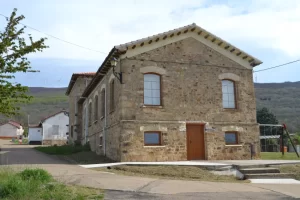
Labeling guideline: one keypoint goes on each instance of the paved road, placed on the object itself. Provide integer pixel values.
(128, 187)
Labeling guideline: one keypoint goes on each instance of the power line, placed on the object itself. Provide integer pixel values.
(59, 38)
(277, 66)
(155, 61)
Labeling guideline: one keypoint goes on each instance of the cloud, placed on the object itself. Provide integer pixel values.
(101, 25)
(267, 29)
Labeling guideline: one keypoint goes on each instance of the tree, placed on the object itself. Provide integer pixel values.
(13, 52)
(264, 116)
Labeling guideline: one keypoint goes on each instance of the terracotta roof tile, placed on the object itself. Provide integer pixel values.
(74, 78)
(13, 123)
(52, 115)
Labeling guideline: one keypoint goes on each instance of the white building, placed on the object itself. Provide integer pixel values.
(51, 130)
(11, 129)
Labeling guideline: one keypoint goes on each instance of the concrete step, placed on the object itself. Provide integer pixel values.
(250, 166)
(265, 170)
(269, 176)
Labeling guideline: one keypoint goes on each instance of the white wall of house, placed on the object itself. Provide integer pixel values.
(55, 127)
(8, 130)
(35, 134)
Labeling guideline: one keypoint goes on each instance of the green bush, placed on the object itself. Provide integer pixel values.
(36, 175)
(63, 150)
(37, 184)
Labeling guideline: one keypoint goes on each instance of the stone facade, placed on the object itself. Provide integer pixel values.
(191, 90)
(54, 142)
(76, 109)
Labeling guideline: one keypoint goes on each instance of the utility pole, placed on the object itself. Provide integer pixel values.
(28, 120)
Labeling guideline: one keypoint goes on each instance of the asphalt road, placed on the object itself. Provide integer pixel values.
(133, 188)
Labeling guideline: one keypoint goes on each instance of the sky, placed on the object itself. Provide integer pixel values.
(266, 29)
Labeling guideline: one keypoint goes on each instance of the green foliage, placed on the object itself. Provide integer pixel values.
(278, 156)
(36, 184)
(25, 131)
(264, 116)
(13, 59)
(35, 174)
(63, 150)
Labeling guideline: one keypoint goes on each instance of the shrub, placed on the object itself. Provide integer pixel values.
(35, 174)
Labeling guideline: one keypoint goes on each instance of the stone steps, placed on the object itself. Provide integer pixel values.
(269, 176)
(265, 170)
(262, 172)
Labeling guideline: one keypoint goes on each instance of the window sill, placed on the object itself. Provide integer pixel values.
(233, 145)
(158, 146)
(230, 109)
(95, 122)
(111, 111)
(101, 118)
(150, 106)
(100, 145)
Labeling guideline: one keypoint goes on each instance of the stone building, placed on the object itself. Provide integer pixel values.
(78, 83)
(184, 94)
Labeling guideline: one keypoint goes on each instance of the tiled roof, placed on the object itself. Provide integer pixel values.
(45, 118)
(13, 123)
(120, 49)
(74, 78)
(34, 125)
(190, 28)
(85, 73)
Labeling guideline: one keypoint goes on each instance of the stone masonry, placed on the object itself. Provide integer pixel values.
(191, 90)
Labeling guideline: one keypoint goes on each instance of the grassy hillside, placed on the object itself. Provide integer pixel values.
(283, 99)
(45, 101)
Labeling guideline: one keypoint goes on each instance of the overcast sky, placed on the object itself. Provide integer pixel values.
(267, 29)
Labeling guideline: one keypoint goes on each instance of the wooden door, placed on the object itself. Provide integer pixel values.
(195, 142)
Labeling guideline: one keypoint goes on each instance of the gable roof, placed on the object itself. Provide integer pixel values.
(52, 115)
(120, 49)
(74, 78)
(13, 123)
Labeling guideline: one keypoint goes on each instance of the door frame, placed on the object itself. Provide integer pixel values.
(187, 138)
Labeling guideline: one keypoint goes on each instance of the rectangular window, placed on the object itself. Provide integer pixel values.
(231, 138)
(152, 138)
(100, 141)
(103, 103)
(112, 96)
(96, 108)
(55, 129)
(152, 89)
(90, 114)
(228, 92)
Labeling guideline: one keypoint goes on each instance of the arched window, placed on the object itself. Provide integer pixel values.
(152, 89)
(103, 103)
(96, 108)
(112, 95)
(90, 114)
(228, 91)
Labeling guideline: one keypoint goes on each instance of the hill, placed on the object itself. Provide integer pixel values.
(283, 99)
(45, 101)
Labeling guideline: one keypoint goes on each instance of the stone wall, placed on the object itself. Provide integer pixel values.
(132, 142)
(96, 129)
(54, 142)
(191, 84)
(191, 89)
(75, 94)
